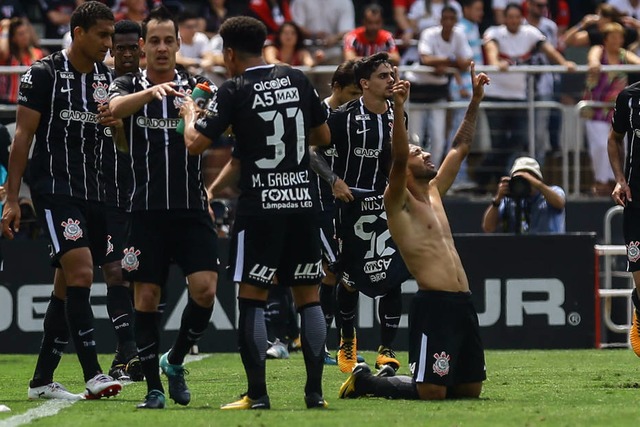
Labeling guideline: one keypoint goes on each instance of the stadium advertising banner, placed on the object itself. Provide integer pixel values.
(530, 292)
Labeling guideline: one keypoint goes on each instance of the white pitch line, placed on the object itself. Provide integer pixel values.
(53, 406)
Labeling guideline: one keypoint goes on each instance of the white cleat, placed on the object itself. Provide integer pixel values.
(102, 386)
(52, 391)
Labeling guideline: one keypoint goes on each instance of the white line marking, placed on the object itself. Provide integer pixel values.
(53, 406)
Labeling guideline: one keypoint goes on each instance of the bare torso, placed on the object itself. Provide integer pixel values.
(423, 235)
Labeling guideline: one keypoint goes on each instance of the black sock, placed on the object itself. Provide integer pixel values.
(54, 341)
(328, 303)
(313, 339)
(120, 312)
(252, 343)
(195, 320)
(347, 307)
(275, 313)
(389, 311)
(292, 330)
(398, 387)
(80, 321)
(148, 342)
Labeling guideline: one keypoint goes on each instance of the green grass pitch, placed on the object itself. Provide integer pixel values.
(524, 388)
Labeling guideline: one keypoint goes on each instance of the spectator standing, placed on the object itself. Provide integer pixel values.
(510, 44)
(370, 38)
(605, 87)
(193, 43)
(588, 32)
(440, 47)
(405, 28)
(58, 16)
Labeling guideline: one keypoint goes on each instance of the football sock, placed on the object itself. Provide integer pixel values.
(252, 342)
(275, 313)
(347, 306)
(54, 341)
(80, 321)
(120, 312)
(389, 311)
(195, 320)
(328, 303)
(398, 387)
(291, 324)
(313, 338)
(148, 341)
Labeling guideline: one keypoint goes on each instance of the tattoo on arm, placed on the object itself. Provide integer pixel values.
(466, 131)
(320, 166)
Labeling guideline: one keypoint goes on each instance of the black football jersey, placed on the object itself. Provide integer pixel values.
(362, 142)
(626, 119)
(271, 109)
(165, 175)
(65, 157)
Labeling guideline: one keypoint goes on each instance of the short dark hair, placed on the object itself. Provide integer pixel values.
(366, 66)
(512, 5)
(344, 75)
(299, 37)
(374, 8)
(244, 34)
(88, 14)
(186, 15)
(448, 8)
(128, 27)
(160, 14)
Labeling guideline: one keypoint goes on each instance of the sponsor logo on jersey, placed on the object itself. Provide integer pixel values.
(362, 117)
(331, 152)
(25, 80)
(100, 92)
(633, 252)
(308, 271)
(285, 96)
(22, 98)
(373, 153)
(441, 366)
(99, 78)
(79, 116)
(377, 266)
(72, 230)
(147, 122)
(211, 108)
(68, 75)
(130, 260)
(272, 84)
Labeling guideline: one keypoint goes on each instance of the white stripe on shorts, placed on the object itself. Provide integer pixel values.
(422, 359)
(52, 230)
(327, 247)
(237, 274)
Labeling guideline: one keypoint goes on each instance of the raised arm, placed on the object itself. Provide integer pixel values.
(464, 136)
(395, 193)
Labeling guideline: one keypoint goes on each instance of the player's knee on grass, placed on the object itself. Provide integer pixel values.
(465, 391)
(431, 391)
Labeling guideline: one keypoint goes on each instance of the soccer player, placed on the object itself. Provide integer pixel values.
(275, 114)
(445, 350)
(329, 187)
(361, 135)
(169, 219)
(624, 123)
(115, 185)
(58, 104)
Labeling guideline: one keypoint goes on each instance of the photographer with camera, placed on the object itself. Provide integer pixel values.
(524, 203)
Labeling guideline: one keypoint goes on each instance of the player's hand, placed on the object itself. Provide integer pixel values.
(621, 193)
(162, 90)
(400, 89)
(10, 217)
(188, 106)
(478, 81)
(341, 191)
(105, 118)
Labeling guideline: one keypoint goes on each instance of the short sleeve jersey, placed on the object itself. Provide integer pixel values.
(357, 41)
(271, 109)
(165, 175)
(67, 140)
(362, 142)
(626, 119)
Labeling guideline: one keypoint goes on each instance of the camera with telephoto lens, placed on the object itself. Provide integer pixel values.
(519, 187)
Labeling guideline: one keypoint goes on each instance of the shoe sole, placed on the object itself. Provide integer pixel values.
(110, 391)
